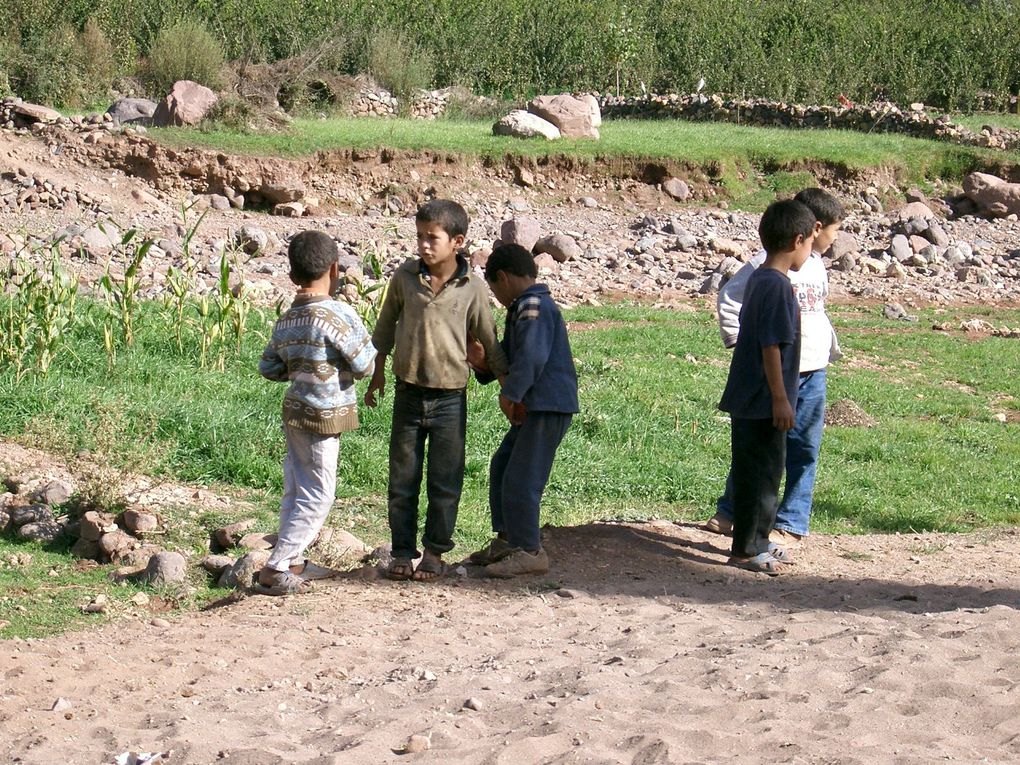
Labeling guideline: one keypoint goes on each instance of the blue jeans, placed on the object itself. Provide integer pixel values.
(439, 417)
(802, 446)
(518, 474)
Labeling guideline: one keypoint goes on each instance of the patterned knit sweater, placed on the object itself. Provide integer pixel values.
(320, 346)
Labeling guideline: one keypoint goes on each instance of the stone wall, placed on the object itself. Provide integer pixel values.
(880, 117)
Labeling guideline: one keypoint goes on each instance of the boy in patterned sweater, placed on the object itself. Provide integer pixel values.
(320, 346)
(539, 398)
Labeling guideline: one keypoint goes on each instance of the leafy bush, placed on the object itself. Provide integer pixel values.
(948, 53)
(399, 65)
(185, 50)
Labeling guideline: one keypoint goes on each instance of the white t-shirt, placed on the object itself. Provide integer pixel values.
(818, 344)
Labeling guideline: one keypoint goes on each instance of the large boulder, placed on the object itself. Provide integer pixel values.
(523, 231)
(993, 195)
(522, 124)
(35, 113)
(132, 111)
(574, 117)
(186, 104)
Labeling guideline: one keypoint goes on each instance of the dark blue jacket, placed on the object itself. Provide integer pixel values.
(542, 374)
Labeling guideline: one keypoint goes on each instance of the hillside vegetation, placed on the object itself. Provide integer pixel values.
(957, 54)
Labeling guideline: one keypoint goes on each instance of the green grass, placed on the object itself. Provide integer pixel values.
(996, 119)
(648, 442)
(734, 155)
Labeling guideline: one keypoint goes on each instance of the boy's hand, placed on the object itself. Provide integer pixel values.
(378, 383)
(476, 355)
(515, 412)
(782, 414)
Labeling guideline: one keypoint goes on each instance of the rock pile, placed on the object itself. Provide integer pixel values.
(29, 511)
(255, 548)
(430, 104)
(881, 116)
(373, 102)
(21, 191)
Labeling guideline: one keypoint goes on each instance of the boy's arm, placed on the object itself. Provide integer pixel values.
(482, 327)
(533, 340)
(383, 337)
(272, 366)
(782, 412)
(355, 346)
(731, 298)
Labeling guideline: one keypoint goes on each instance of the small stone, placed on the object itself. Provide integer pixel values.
(560, 246)
(242, 573)
(228, 536)
(589, 202)
(94, 524)
(139, 521)
(98, 605)
(165, 568)
(524, 177)
(26, 514)
(114, 543)
(61, 705)
(161, 623)
(216, 564)
(473, 704)
(140, 599)
(41, 531)
(258, 541)
(53, 493)
(219, 202)
(677, 189)
(418, 743)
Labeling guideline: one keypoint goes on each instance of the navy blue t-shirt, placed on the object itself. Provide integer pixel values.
(769, 315)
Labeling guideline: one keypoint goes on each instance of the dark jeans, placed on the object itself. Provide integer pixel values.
(758, 454)
(802, 446)
(440, 417)
(518, 474)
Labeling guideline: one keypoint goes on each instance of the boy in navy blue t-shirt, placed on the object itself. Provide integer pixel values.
(761, 391)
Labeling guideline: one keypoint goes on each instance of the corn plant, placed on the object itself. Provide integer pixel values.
(53, 306)
(121, 293)
(179, 282)
(223, 312)
(17, 322)
(368, 305)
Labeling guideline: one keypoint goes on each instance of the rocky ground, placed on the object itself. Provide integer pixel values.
(640, 646)
(605, 232)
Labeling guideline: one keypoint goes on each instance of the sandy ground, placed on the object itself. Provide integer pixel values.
(639, 647)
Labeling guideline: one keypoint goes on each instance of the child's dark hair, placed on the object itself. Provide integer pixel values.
(511, 258)
(311, 253)
(825, 206)
(783, 222)
(450, 216)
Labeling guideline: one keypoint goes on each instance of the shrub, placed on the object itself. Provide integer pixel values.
(399, 65)
(184, 50)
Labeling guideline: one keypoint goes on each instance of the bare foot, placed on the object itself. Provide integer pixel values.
(431, 567)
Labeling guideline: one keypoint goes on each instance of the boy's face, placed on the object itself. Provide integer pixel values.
(502, 289)
(435, 246)
(825, 236)
(802, 247)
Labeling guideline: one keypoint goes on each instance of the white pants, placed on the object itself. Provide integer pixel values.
(309, 488)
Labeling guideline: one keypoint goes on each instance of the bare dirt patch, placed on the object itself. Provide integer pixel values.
(641, 646)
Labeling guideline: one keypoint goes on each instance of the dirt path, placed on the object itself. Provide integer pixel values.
(639, 647)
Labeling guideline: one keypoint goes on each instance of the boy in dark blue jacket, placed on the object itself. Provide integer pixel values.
(539, 398)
